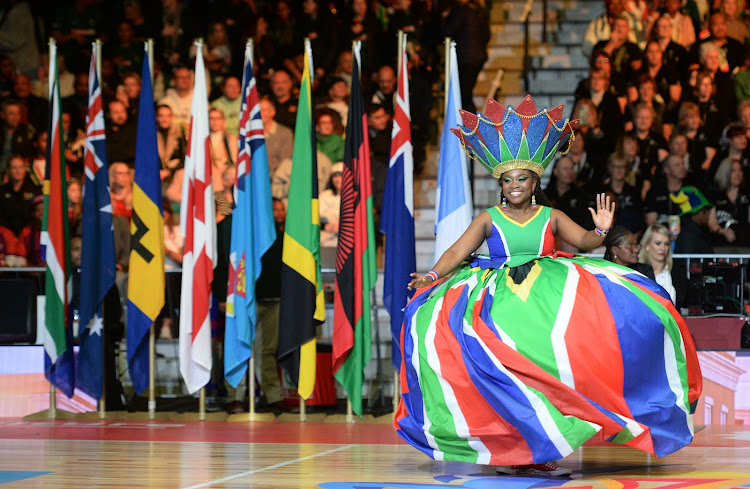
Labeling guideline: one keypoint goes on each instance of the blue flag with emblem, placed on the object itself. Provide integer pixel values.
(98, 246)
(253, 231)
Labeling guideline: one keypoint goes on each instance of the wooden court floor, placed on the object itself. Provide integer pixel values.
(167, 454)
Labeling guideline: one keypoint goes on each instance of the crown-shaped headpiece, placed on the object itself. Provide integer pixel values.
(514, 138)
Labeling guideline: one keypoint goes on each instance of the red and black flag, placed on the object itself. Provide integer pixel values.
(356, 270)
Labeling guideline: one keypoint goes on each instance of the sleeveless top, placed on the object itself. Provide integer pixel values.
(512, 243)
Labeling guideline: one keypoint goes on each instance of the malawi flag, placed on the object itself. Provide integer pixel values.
(58, 334)
(302, 306)
(98, 244)
(356, 269)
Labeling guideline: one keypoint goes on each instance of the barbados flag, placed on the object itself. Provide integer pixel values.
(253, 231)
(146, 275)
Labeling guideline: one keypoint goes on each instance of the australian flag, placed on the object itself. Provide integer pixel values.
(98, 249)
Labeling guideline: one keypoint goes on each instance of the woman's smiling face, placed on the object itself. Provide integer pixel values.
(517, 186)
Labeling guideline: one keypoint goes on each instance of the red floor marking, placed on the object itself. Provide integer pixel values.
(195, 431)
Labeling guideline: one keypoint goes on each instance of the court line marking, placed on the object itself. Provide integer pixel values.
(270, 467)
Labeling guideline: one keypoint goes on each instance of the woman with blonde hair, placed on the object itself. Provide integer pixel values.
(656, 250)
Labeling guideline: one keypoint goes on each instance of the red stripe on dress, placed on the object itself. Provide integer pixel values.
(502, 439)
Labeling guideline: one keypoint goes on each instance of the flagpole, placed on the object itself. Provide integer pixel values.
(150, 51)
(52, 401)
(51, 77)
(202, 405)
(152, 372)
(349, 412)
(448, 41)
(302, 410)
(251, 368)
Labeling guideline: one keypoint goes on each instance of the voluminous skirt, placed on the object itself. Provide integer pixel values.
(523, 365)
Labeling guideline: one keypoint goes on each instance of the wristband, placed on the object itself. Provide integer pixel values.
(601, 232)
(433, 274)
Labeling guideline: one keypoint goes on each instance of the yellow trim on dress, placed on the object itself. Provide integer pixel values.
(522, 225)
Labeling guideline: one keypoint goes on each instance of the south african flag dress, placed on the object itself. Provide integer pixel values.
(521, 356)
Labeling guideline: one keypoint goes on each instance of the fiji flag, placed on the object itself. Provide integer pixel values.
(454, 208)
(397, 221)
(98, 249)
(253, 231)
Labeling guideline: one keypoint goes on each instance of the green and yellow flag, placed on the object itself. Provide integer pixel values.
(302, 307)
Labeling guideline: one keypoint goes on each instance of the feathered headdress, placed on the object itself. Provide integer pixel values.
(514, 138)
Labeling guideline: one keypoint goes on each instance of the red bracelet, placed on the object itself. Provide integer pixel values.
(433, 274)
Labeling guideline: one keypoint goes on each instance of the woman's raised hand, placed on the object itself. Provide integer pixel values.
(605, 212)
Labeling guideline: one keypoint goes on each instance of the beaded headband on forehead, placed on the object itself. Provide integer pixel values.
(514, 138)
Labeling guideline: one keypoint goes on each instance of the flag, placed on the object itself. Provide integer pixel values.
(146, 269)
(58, 334)
(198, 225)
(302, 308)
(397, 214)
(98, 244)
(253, 231)
(356, 269)
(453, 207)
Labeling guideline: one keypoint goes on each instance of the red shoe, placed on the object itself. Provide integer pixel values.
(550, 468)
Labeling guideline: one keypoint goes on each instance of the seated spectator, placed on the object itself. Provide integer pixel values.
(626, 56)
(617, 85)
(343, 68)
(742, 80)
(283, 175)
(673, 53)
(16, 196)
(608, 109)
(666, 78)
(121, 189)
(360, 24)
(121, 134)
(678, 146)
(567, 197)
(74, 140)
(7, 73)
(129, 93)
(180, 98)
(217, 54)
(39, 160)
(379, 127)
(659, 206)
(171, 144)
(628, 150)
(628, 199)
(621, 247)
(284, 99)
(713, 116)
(279, 139)
(597, 144)
(701, 148)
(586, 169)
(66, 79)
(35, 110)
(32, 234)
(338, 98)
(731, 51)
(285, 31)
(647, 95)
(15, 136)
(652, 146)
(386, 88)
(681, 29)
(694, 237)
(736, 26)
(230, 104)
(224, 198)
(126, 52)
(600, 29)
(736, 148)
(656, 251)
(174, 241)
(76, 104)
(330, 143)
(75, 206)
(732, 203)
(330, 204)
(223, 147)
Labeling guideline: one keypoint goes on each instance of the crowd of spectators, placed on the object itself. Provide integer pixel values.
(277, 28)
(664, 110)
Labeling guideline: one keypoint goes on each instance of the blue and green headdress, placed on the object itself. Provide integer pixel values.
(514, 138)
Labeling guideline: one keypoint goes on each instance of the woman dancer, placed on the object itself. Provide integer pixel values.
(518, 358)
